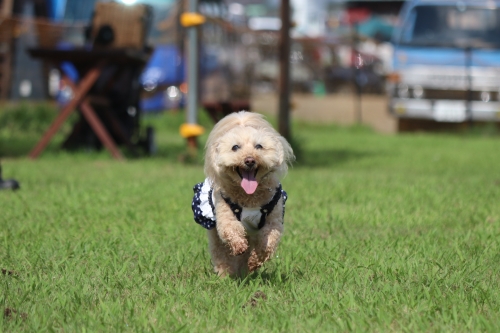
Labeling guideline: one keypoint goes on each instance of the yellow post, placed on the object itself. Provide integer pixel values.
(191, 130)
(192, 19)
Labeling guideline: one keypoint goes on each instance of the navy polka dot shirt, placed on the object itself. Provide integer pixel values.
(204, 209)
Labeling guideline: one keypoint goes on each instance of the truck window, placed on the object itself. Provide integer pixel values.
(452, 26)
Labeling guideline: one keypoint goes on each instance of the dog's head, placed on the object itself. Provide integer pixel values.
(244, 149)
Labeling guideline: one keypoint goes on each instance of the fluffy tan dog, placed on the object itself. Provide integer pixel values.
(241, 202)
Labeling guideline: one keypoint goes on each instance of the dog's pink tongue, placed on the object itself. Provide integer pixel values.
(248, 182)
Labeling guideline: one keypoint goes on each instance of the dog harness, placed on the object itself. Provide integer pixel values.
(252, 218)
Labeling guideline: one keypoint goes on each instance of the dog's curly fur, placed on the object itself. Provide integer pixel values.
(236, 139)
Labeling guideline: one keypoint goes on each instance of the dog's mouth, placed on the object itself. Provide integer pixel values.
(248, 179)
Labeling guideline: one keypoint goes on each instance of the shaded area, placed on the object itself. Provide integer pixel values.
(471, 128)
(329, 157)
(325, 148)
(22, 125)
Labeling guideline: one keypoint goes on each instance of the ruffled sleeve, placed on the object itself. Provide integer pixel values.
(202, 205)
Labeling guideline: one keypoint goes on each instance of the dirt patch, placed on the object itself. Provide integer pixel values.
(257, 297)
(342, 109)
(7, 272)
(9, 313)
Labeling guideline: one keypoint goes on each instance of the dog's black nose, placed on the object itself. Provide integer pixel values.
(249, 162)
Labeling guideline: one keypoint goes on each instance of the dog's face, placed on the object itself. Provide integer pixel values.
(246, 155)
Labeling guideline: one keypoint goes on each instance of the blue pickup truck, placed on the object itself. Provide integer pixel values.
(447, 61)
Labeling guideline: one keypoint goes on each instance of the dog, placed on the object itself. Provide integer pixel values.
(241, 202)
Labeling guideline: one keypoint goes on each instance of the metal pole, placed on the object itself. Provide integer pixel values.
(468, 69)
(359, 89)
(284, 82)
(192, 98)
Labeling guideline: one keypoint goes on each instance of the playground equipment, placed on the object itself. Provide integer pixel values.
(228, 54)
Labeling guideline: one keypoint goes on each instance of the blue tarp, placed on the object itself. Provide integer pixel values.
(376, 27)
(165, 67)
(56, 9)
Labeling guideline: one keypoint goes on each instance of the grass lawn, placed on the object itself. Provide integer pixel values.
(383, 234)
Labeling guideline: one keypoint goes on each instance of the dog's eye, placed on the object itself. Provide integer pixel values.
(258, 146)
(235, 147)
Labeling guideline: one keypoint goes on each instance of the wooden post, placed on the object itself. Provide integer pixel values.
(100, 130)
(284, 79)
(83, 87)
(7, 27)
(7, 8)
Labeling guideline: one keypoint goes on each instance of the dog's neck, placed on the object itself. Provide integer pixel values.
(262, 195)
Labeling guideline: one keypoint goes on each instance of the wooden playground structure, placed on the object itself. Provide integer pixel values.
(226, 90)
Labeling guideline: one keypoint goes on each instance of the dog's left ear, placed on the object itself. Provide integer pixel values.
(281, 154)
(285, 152)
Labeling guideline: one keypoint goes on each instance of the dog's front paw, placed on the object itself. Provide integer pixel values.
(238, 247)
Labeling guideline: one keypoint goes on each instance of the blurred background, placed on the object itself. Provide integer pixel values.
(238, 53)
(351, 62)
(322, 34)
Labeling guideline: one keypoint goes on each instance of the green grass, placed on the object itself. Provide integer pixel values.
(383, 234)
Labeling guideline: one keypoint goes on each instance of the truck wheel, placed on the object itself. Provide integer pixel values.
(409, 125)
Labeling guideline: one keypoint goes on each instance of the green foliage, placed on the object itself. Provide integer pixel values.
(24, 117)
(22, 125)
(382, 234)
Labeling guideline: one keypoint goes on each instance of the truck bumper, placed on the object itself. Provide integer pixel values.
(444, 110)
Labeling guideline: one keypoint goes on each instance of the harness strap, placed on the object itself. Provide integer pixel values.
(235, 208)
(268, 208)
(264, 210)
(210, 201)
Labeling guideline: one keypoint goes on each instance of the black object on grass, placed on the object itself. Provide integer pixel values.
(8, 184)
